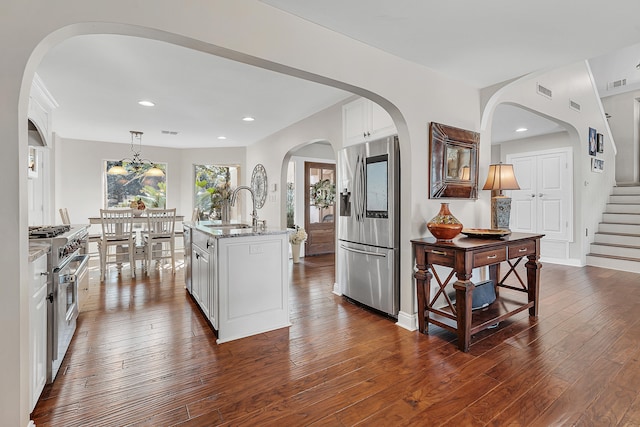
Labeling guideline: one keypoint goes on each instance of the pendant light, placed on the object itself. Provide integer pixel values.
(136, 163)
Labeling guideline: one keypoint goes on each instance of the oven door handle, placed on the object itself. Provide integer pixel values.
(80, 267)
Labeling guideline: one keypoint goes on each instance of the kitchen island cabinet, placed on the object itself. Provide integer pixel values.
(240, 279)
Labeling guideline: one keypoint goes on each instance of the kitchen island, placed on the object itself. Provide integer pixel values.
(238, 276)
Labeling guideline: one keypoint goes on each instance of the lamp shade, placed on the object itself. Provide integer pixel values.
(117, 170)
(501, 177)
(154, 171)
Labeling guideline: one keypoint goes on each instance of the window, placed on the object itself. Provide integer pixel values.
(121, 190)
(291, 195)
(213, 186)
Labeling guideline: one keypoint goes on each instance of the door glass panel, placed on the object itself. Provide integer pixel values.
(322, 191)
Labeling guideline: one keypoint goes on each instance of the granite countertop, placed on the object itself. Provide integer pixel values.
(37, 249)
(218, 230)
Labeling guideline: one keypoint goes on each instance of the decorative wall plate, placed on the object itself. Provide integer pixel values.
(259, 185)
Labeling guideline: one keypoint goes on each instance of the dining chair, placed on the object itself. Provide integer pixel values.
(118, 240)
(159, 238)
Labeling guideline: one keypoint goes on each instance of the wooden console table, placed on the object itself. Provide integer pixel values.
(462, 255)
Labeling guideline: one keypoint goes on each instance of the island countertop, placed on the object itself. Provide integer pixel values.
(219, 230)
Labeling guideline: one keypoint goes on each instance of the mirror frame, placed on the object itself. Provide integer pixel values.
(441, 139)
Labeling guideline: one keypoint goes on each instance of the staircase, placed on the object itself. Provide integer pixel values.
(617, 242)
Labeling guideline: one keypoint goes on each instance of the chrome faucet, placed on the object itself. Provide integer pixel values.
(254, 213)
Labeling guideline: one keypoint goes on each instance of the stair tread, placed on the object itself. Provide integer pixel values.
(610, 233)
(624, 213)
(618, 223)
(616, 245)
(614, 257)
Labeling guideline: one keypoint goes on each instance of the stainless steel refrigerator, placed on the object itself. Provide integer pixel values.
(368, 182)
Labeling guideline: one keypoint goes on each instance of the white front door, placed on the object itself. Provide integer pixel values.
(544, 203)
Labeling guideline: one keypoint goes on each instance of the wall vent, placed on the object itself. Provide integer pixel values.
(544, 91)
(616, 84)
(168, 132)
(574, 105)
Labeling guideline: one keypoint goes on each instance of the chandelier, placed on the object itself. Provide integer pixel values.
(136, 163)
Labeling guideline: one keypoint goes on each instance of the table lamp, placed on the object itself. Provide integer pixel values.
(501, 177)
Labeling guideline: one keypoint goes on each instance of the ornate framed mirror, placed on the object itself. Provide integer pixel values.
(453, 170)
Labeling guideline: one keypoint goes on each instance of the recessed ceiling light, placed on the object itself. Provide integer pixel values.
(522, 130)
(248, 119)
(222, 137)
(146, 103)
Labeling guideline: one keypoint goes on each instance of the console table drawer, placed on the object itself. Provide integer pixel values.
(489, 257)
(522, 249)
(441, 257)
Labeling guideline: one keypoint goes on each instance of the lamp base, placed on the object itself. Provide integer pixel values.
(500, 212)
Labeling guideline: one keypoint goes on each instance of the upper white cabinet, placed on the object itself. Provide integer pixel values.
(364, 120)
(41, 106)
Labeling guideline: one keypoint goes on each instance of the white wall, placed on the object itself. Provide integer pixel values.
(624, 125)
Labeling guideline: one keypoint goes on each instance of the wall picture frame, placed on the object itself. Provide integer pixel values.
(453, 171)
(597, 165)
(600, 143)
(593, 145)
(32, 171)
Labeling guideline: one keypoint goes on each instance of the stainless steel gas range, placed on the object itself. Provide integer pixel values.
(67, 264)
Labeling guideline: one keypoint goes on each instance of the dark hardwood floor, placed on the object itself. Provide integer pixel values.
(143, 356)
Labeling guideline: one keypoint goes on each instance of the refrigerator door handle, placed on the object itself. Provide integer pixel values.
(356, 192)
(360, 189)
(359, 251)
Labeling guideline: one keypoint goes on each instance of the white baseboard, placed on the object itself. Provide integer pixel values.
(407, 321)
(336, 290)
(573, 262)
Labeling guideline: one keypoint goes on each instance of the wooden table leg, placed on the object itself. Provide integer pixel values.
(423, 279)
(533, 283)
(464, 298)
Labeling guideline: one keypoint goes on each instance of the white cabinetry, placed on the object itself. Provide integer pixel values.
(203, 252)
(37, 328)
(241, 282)
(364, 120)
(253, 286)
(41, 106)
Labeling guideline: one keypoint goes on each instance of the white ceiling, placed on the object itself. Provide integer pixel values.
(97, 80)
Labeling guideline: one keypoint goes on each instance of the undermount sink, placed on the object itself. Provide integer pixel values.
(227, 226)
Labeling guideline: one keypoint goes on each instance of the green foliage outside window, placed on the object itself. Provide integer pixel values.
(212, 189)
(122, 189)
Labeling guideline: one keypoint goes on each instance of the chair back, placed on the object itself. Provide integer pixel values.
(117, 224)
(161, 222)
(64, 215)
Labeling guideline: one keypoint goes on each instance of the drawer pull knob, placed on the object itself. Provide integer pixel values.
(492, 256)
(522, 250)
(438, 252)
